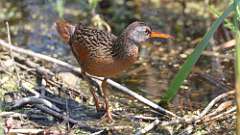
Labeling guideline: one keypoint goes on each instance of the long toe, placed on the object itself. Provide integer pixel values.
(107, 117)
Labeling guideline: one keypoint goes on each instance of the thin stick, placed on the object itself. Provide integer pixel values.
(78, 71)
(98, 133)
(213, 53)
(148, 128)
(38, 55)
(12, 114)
(213, 102)
(143, 117)
(193, 119)
(226, 45)
(37, 69)
(65, 118)
(141, 98)
(221, 115)
(9, 37)
(187, 131)
(26, 131)
(11, 53)
(34, 100)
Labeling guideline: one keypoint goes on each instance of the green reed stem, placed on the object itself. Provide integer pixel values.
(192, 59)
(237, 61)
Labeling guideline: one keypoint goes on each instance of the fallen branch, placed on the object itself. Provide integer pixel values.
(25, 131)
(222, 115)
(212, 53)
(193, 119)
(34, 100)
(223, 106)
(148, 127)
(141, 117)
(78, 71)
(12, 114)
(226, 45)
(214, 101)
(31, 64)
(98, 132)
(66, 118)
(219, 84)
(37, 69)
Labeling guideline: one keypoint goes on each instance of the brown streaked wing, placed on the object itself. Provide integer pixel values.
(98, 43)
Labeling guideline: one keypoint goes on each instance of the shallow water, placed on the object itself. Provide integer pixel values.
(32, 27)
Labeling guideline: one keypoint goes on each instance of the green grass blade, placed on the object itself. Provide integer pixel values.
(192, 59)
(237, 62)
(237, 74)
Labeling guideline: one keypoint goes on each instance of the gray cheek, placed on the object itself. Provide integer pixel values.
(142, 38)
(138, 36)
(134, 36)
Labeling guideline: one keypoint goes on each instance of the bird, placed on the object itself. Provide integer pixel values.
(101, 53)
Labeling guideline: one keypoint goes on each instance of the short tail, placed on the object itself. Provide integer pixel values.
(65, 30)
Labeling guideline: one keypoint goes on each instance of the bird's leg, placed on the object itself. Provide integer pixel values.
(105, 96)
(93, 92)
(95, 98)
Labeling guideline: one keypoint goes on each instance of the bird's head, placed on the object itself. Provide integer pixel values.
(140, 32)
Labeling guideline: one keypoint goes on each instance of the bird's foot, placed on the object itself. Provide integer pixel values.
(107, 117)
(98, 107)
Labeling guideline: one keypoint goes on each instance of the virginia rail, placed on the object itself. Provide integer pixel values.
(103, 54)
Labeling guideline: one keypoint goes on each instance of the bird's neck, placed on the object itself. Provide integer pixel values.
(126, 49)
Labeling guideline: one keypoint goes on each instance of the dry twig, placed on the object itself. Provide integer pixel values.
(148, 127)
(193, 119)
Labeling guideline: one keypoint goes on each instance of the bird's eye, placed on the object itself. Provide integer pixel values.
(147, 31)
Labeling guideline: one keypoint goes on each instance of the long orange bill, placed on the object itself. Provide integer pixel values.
(160, 35)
